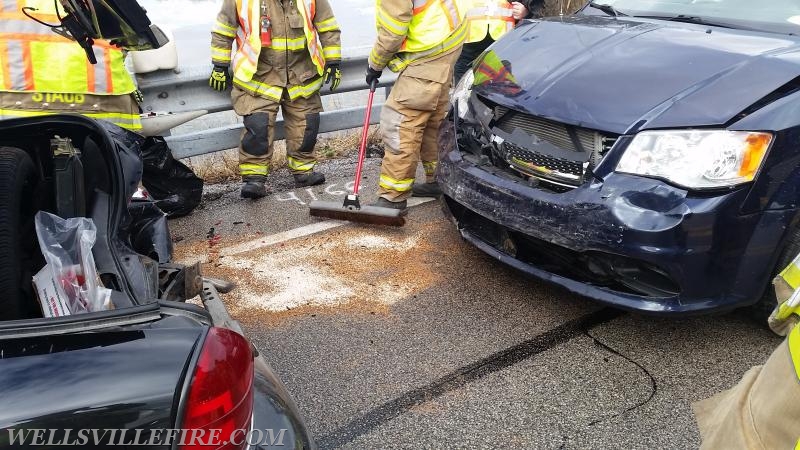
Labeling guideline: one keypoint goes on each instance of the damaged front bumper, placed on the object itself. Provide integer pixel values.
(631, 242)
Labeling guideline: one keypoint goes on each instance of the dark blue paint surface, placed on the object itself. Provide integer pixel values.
(619, 77)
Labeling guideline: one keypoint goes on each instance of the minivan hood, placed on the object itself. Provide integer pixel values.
(628, 74)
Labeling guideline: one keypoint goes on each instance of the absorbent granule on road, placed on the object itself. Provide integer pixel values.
(279, 281)
(344, 267)
(374, 241)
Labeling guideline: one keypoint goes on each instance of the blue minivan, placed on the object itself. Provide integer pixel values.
(643, 154)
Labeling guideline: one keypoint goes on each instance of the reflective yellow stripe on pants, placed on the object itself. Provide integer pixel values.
(260, 89)
(300, 166)
(305, 90)
(253, 169)
(275, 92)
(128, 121)
(396, 185)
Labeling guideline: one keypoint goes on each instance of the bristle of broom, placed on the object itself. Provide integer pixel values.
(360, 216)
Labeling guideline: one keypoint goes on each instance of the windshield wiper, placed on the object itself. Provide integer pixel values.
(608, 9)
(690, 19)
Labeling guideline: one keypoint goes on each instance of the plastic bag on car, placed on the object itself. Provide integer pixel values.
(67, 248)
(174, 187)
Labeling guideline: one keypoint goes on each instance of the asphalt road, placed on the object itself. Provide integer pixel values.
(411, 338)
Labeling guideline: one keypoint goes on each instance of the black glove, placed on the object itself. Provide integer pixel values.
(219, 78)
(372, 76)
(333, 74)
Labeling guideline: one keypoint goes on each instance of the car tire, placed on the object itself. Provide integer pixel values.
(19, 253)
(761, 310)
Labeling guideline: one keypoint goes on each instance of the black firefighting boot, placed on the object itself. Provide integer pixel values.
(308, 179)
(383, 203)
(253, 186)
(426, 189)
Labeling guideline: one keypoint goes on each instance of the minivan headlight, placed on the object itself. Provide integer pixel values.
(697, 159)
(461, 93)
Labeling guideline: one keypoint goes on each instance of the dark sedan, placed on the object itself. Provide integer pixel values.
(147, 369)
(643, 154)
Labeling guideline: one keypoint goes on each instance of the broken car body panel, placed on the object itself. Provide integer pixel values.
(628, 240)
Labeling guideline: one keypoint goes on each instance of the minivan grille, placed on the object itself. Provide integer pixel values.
(551, 131)
(574, 142)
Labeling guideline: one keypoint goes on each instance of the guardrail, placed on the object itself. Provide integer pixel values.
(186, 89)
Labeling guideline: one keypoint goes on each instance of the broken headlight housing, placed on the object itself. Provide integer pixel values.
(460, 97)
(697, 159)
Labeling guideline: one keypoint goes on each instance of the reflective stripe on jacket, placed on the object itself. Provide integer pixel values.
(493, 17)
(35, 59)
(794, 349)
(248, 38)
(787, 291)
(302, 39)
(129, 121)
(410, 31)
(121, 110)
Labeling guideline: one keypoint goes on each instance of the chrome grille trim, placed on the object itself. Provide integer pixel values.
(570, 173)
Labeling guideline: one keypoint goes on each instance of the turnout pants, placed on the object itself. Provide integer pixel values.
(410, 121)
(301, 122)
(762, 412)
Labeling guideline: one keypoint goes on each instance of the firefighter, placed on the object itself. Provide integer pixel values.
(44, 73)
(421, 41)
(763, 410)
(285, 50)
(488, 20)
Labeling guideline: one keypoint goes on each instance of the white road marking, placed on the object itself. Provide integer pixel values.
(289, 196)
(414, 201)
(311, 193)
(299, 232)
(332, 189)
(284, 236)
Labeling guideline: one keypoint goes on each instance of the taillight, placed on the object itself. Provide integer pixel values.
(221, 393)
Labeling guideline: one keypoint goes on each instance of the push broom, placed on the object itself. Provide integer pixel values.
(351, 210)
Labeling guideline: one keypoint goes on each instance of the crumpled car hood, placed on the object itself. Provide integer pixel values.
(624, 75)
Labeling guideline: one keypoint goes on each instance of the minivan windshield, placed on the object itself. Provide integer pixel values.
(779, 16)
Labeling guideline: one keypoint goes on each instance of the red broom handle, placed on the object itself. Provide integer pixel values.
(362, 149)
